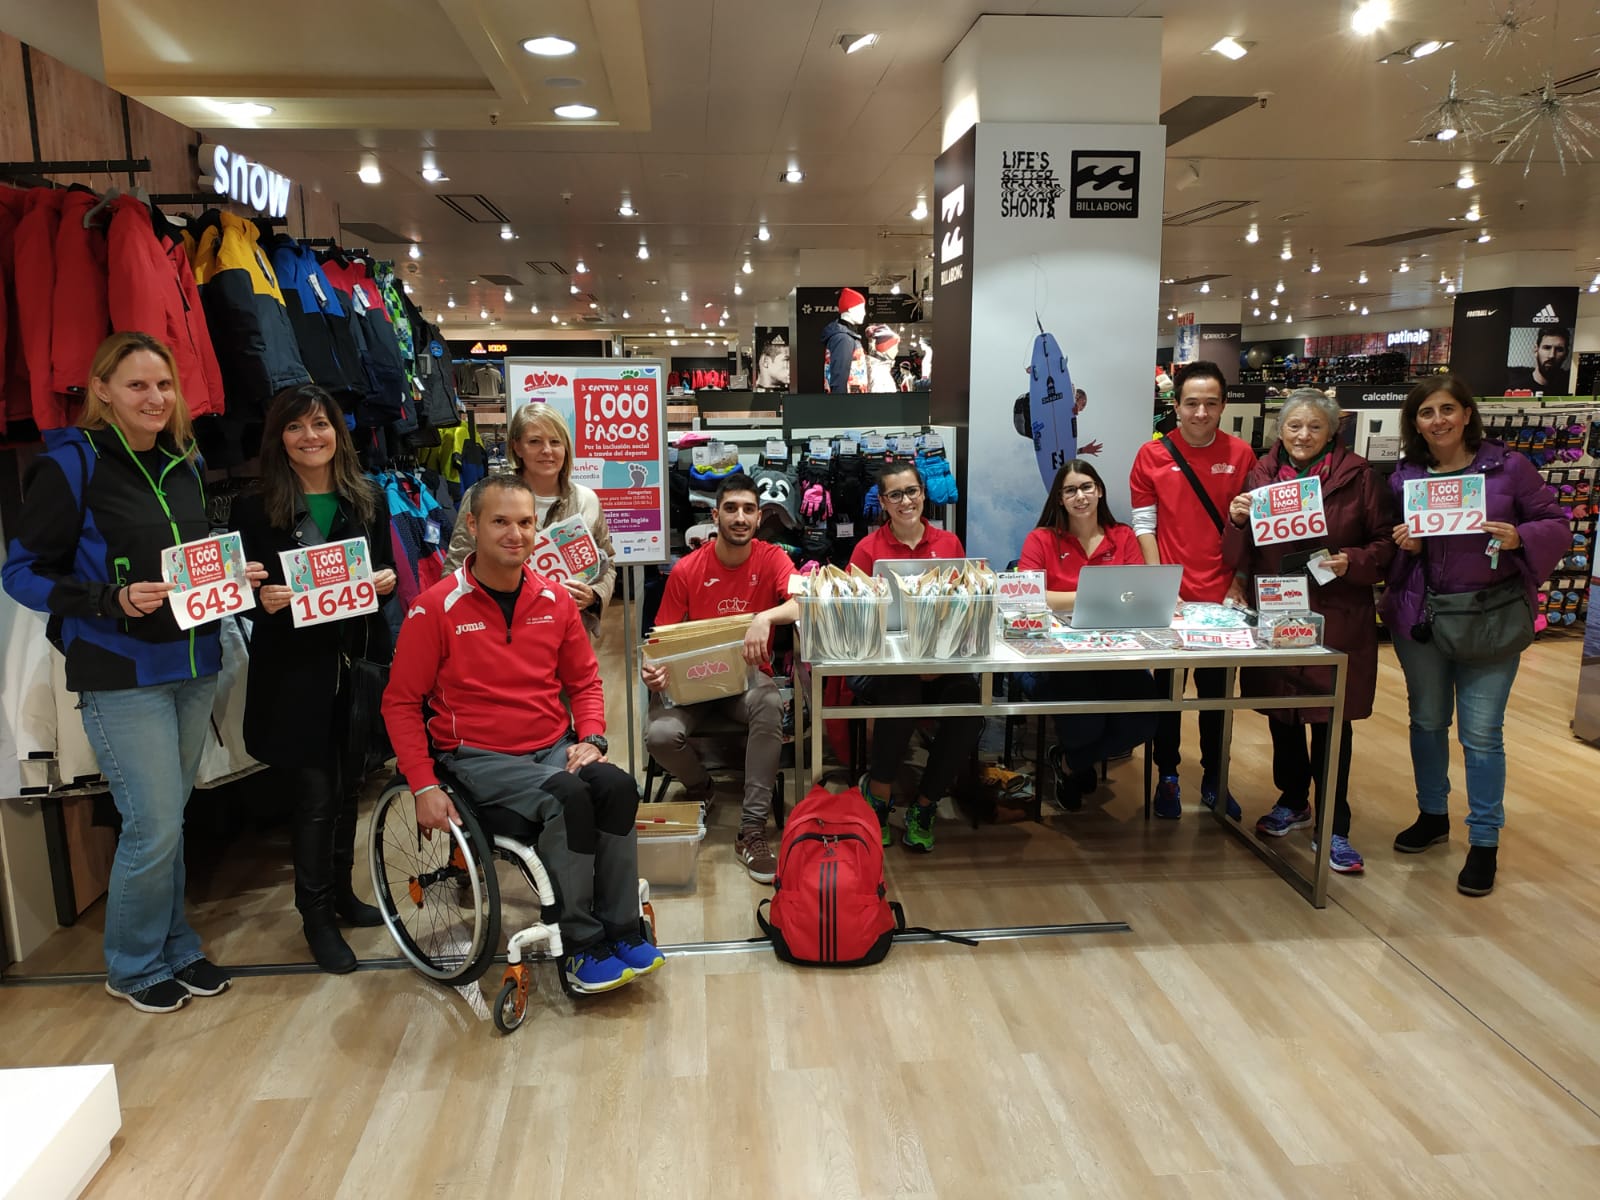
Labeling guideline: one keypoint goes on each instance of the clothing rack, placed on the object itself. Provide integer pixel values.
(93, 166)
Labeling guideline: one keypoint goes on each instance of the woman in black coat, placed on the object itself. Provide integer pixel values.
(298, 702)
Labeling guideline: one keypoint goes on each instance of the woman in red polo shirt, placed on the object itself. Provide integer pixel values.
(906, 535)
(1076, 530)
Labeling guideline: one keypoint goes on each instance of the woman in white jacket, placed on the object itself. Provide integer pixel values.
(540, 447)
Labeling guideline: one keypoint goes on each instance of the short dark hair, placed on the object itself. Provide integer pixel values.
(494, 483)
(1201, 369)
(737, 482)
(899, 466)
(1054, 514)
(1413, 444)
(1559, 331)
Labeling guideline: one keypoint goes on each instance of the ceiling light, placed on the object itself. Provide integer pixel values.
(792, 175)
(438, 318)
(738, 288)
(1594, 287)
(722, 324)
(575, 112)
(1450, 288)
(450, 303)
(1288, 318)
(573, 288)
(534, 309)
(483, 314)
(1205, 288)
(644, 252)
(509, 296)
(702, 326)
(1483, 236)
(239, 110)
(554, 320)
(1352, 306)
(432, 174)
(626, 315)
(663, 312)
(725, 314)
(674, 341)
(1279, 288)
(895, 290)
(1423, 49)
(592, 304)
(1363, 310)
(1274, 302)
(1465, 179)
(626, 209)
(1255, 294)
(1447, 134)
(1229, 48)
(1255, 312)
(747, 268)
(709, 304)
(920, 212)
(1253, 236)
(1273, 315)
(407, 288)
(1443, 278)
(415, 251)
(1404, 266)
(506, 233)
(580, 268)
(1370, 16)
(1315, 267)
(1361, 278)
(683, 297)
(550, 47)
(763, 234)
(1473, 214)
(1287, 254)
(1188, 177)
(369, 172)
(857, 41)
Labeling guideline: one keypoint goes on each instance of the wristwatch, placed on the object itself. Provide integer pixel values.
(598, 741)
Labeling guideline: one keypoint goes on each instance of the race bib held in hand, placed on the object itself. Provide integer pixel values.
(1441, 507)
(331, 582)
(209, 580)
(567, 550)
(1287, 512)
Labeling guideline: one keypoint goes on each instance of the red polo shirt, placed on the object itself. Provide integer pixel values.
(882, 543)
(1184, 532)
(1060, 555)
(700, 585)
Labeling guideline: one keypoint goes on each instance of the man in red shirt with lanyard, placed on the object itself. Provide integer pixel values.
(1181, 484)
(731, 574)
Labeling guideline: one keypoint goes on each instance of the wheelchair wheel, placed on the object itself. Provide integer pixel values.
(511, 1005)
(436, 889)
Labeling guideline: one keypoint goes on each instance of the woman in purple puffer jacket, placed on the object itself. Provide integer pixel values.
(1443, 435)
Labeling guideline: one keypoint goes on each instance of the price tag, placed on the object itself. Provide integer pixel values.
(700, 456)
(331, 582)
(1283, 593)
(820, 448)
(932, 442)
(846, 446)
(1218, 639)
(777, 451)
(1441, 507)
(316, 286)
(1287, 512)
(1020, 589)
(844, 529)
(902, 445)
(799, 585)
(209, 579)
(873, 444)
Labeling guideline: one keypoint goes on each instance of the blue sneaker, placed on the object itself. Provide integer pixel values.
(1283, 820)
(1169, 798)
(1342, 857)
(1208, 797)
(637, 953)
(596, 969)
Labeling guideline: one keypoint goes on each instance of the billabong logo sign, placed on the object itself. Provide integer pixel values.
(952, 246)
(1028, 185)
(1105, 183)
(1546, 316)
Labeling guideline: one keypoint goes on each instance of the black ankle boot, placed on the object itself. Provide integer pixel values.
(329, 948)
(1429, 829)
(353, 910)
(1477, 876)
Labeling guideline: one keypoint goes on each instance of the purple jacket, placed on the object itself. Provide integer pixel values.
(1513, 491)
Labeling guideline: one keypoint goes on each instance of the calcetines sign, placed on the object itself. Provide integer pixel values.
(244, 181)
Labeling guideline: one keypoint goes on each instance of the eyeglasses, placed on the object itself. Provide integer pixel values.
(1083, 489)
(901, 495)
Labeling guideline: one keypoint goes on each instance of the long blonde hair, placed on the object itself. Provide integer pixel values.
(97, 412)
(540, 413)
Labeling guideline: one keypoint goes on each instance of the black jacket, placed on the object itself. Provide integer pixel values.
(296, 711)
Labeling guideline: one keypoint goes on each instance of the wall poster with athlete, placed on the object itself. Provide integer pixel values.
(619, 440)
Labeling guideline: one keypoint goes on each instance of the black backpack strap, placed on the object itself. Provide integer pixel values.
(901, 928)
(1194, 481)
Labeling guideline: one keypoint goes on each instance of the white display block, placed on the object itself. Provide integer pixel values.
(58, 1124)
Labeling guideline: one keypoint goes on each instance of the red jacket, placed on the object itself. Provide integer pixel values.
(490, 687)
(80, 317)
(34, 260)
(152, 290)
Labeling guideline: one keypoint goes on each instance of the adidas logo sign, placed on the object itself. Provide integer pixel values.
(1546, 316)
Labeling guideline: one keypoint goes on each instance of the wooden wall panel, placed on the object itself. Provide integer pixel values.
(15, 142)
(79, 117)
(169, 147)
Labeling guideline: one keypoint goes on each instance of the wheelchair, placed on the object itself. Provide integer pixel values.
(439, 895)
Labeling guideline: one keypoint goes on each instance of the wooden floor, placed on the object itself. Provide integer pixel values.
(1405, 1042)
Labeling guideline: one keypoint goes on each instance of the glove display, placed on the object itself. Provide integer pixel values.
(936, 478)
(815, 503)
(871, 507)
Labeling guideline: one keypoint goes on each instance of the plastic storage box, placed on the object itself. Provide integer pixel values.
(844, 628)
(707, 673)
(669, 861)
(945, 627)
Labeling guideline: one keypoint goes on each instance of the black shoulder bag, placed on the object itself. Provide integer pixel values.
(1194, 481)
(1476, 627)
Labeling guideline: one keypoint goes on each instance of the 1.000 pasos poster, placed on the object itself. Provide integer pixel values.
(615, 410)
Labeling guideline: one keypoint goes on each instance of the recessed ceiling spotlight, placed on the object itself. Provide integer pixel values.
(1274, 302)
(438, 318)
(534, 309)
(573, 288)
(1252, 235)
(725, 314)
(509, 296)
(575, 112)
(920, 212)
(1205, 288)
(1450, 288)
(738, 288)
(626, 315)
(1352, 306)
(1465, 179)
(1370, 16)
(1255, 312)
(792, 175)
(852, 42)
(1288, 318)
(593, 304)
(1362, 278)
(1473, 214)
(683, 297)
(369, 172)
(1363, 310)
(747, 268)
(674, 341)
(1404, 267)
(415, 251)
(580, 268)
(763, 234)
(626, 209)
(1230, 48)
(450, 303)
(550, 47)
(1279, 288)
(895, 290)
(432, 174)
(663, 312)
(644, 252)
(1287, 254)
(1447, 133)
(1483, 236)
(1255, 294)
(507, 233)
(709, 304)
(1315, 267)
(1273, 315)
(483, 314)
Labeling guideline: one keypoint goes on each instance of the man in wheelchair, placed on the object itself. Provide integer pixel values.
(490, 650)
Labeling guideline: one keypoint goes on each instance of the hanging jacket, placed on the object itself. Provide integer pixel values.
(437, 405)
(844, 362)
(16, 405)
(152, 290)
(255, 344)
(394, 307)
(389, 393)
(94, 518)
(34, 258)
(321, 323)
(81, 316)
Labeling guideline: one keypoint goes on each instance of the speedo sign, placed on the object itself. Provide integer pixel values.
(244, 181)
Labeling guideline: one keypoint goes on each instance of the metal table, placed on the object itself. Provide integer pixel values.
(1003, 660)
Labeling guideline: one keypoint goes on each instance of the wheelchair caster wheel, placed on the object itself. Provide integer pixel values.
(647, 922)
(511, 1005)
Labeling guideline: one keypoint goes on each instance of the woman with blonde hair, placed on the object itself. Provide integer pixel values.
(100, 507)
(540, 447)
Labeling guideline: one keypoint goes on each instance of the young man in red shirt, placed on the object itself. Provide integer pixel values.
(1175, 526)
(490, 649)
(732, 574)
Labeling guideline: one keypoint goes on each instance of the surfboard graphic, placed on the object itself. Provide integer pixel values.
(1050, 407)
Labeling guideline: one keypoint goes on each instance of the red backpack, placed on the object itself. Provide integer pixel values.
(828, 905)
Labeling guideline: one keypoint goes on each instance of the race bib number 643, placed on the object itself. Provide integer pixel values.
(208, 580)
(1287, 512)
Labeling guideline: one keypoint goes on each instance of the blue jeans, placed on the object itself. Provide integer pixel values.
(149, 741)
(1478, 692)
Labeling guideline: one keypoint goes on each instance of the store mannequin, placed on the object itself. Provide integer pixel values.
(882, 343)
(844, 366)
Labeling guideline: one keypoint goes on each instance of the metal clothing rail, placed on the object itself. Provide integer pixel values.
(88, 166)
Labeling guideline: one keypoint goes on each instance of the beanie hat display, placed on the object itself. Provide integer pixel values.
(849, 298)
(778, 494)
(884, 340)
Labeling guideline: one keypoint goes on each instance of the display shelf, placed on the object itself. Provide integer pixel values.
(58, 1123)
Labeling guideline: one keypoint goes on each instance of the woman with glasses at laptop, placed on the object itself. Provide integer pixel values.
(1076, 530)
(904, 534)
(1356, 550)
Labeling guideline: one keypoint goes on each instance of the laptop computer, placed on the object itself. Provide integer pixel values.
(1126, 597)
(892, 568)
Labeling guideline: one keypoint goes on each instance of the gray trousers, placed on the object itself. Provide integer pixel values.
(759, 709)
(588, 843)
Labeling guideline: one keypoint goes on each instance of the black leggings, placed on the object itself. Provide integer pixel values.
(1209, 683)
